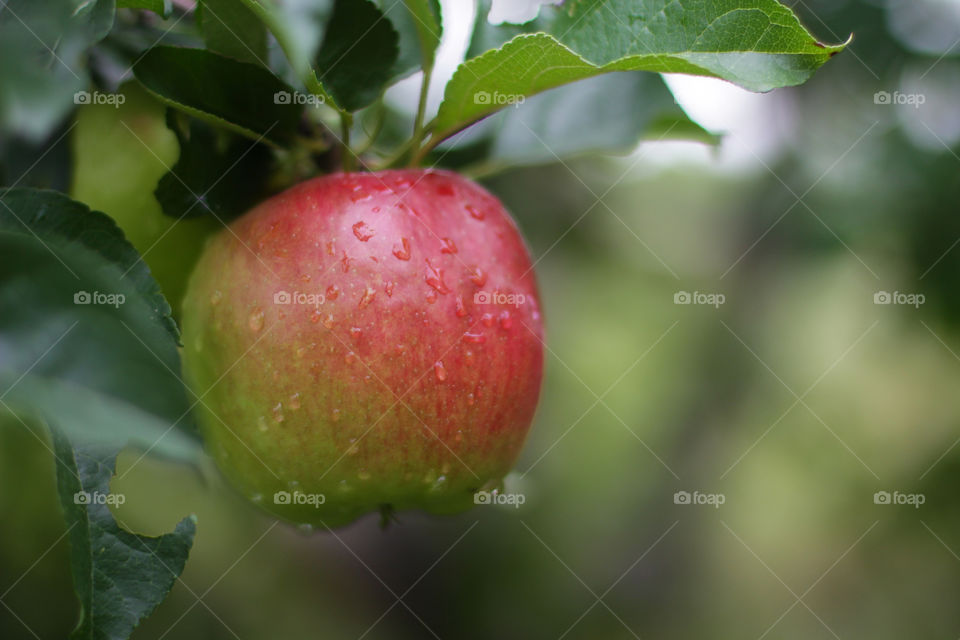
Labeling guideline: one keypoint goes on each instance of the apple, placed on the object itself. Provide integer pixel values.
(365, 342)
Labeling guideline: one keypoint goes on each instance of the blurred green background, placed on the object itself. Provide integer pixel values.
(796, 400)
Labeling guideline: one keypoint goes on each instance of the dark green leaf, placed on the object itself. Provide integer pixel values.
(758, 44)
(239, 96)
(358, 53)
(217, 173)
(418, 26)
(161, 7)
(230, 28)
(93, 349)
(120, 577)
(43, 49)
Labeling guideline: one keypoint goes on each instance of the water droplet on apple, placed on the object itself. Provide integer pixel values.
(475, 338)
(478, 277)
(305, 277)
(278, 413)
(474, 212)
(375, 210)
(356, 333)
(328, 321)
(402, 250)
(363, 231)
(505, 320)
(332, 292)
(256, 319)
(439, 370)
(358, 196)
(459, 435)
(448, 246)
(315, 316)
(363, 474)
(470, 399)
(389, 289)
(301, 351)
(350, 358)
(216, 297)
(294, 402)
(335, 415)
(487, 319)
(345, 262)
(431, 298)
(262, 424)
(368, 295)
(434, 278)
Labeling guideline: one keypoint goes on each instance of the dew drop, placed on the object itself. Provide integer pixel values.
(459, 436)
(431, 297)
(368, 295)
(353, 449)
(474, 212)
(278, 413)
(332, 292)
(388, 289)
(363, 474)
(487, 319)
(359, 196)
(305, 277)
(356, 333)
(345, 262)
(328, 321)
(216, 297)
(315, 316)
(461, 311)
(470, 399)
(262, 424)
(375, 210)
(402, 250)
(335, 415)
(350, 358)
(434, 278)
(256, 498)
(330, 248)
(294, 402)
(448, 246)
(475, 338)
(363, 231)
(505, 320)
(439, 370)
(256, 319)
(478, 277)
(301, 351)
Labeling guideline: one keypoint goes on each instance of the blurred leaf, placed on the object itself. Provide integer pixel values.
(230, 28)
(43, 61)
(120, 577)
(298, 27)
(607, 113)
(216, 172)
(161, 7)
(236, 95)
(93, 349)
(358, 53)
(418, 26)
(758, 44)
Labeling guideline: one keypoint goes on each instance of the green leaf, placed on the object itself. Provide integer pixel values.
(93, 349)
(217, 173)
(239, 96)
(359, 50)
(43, 49)
(160, 7)
(758, 44)
(120, 577)
(232, 29)
(418, 26)
(607, 113)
